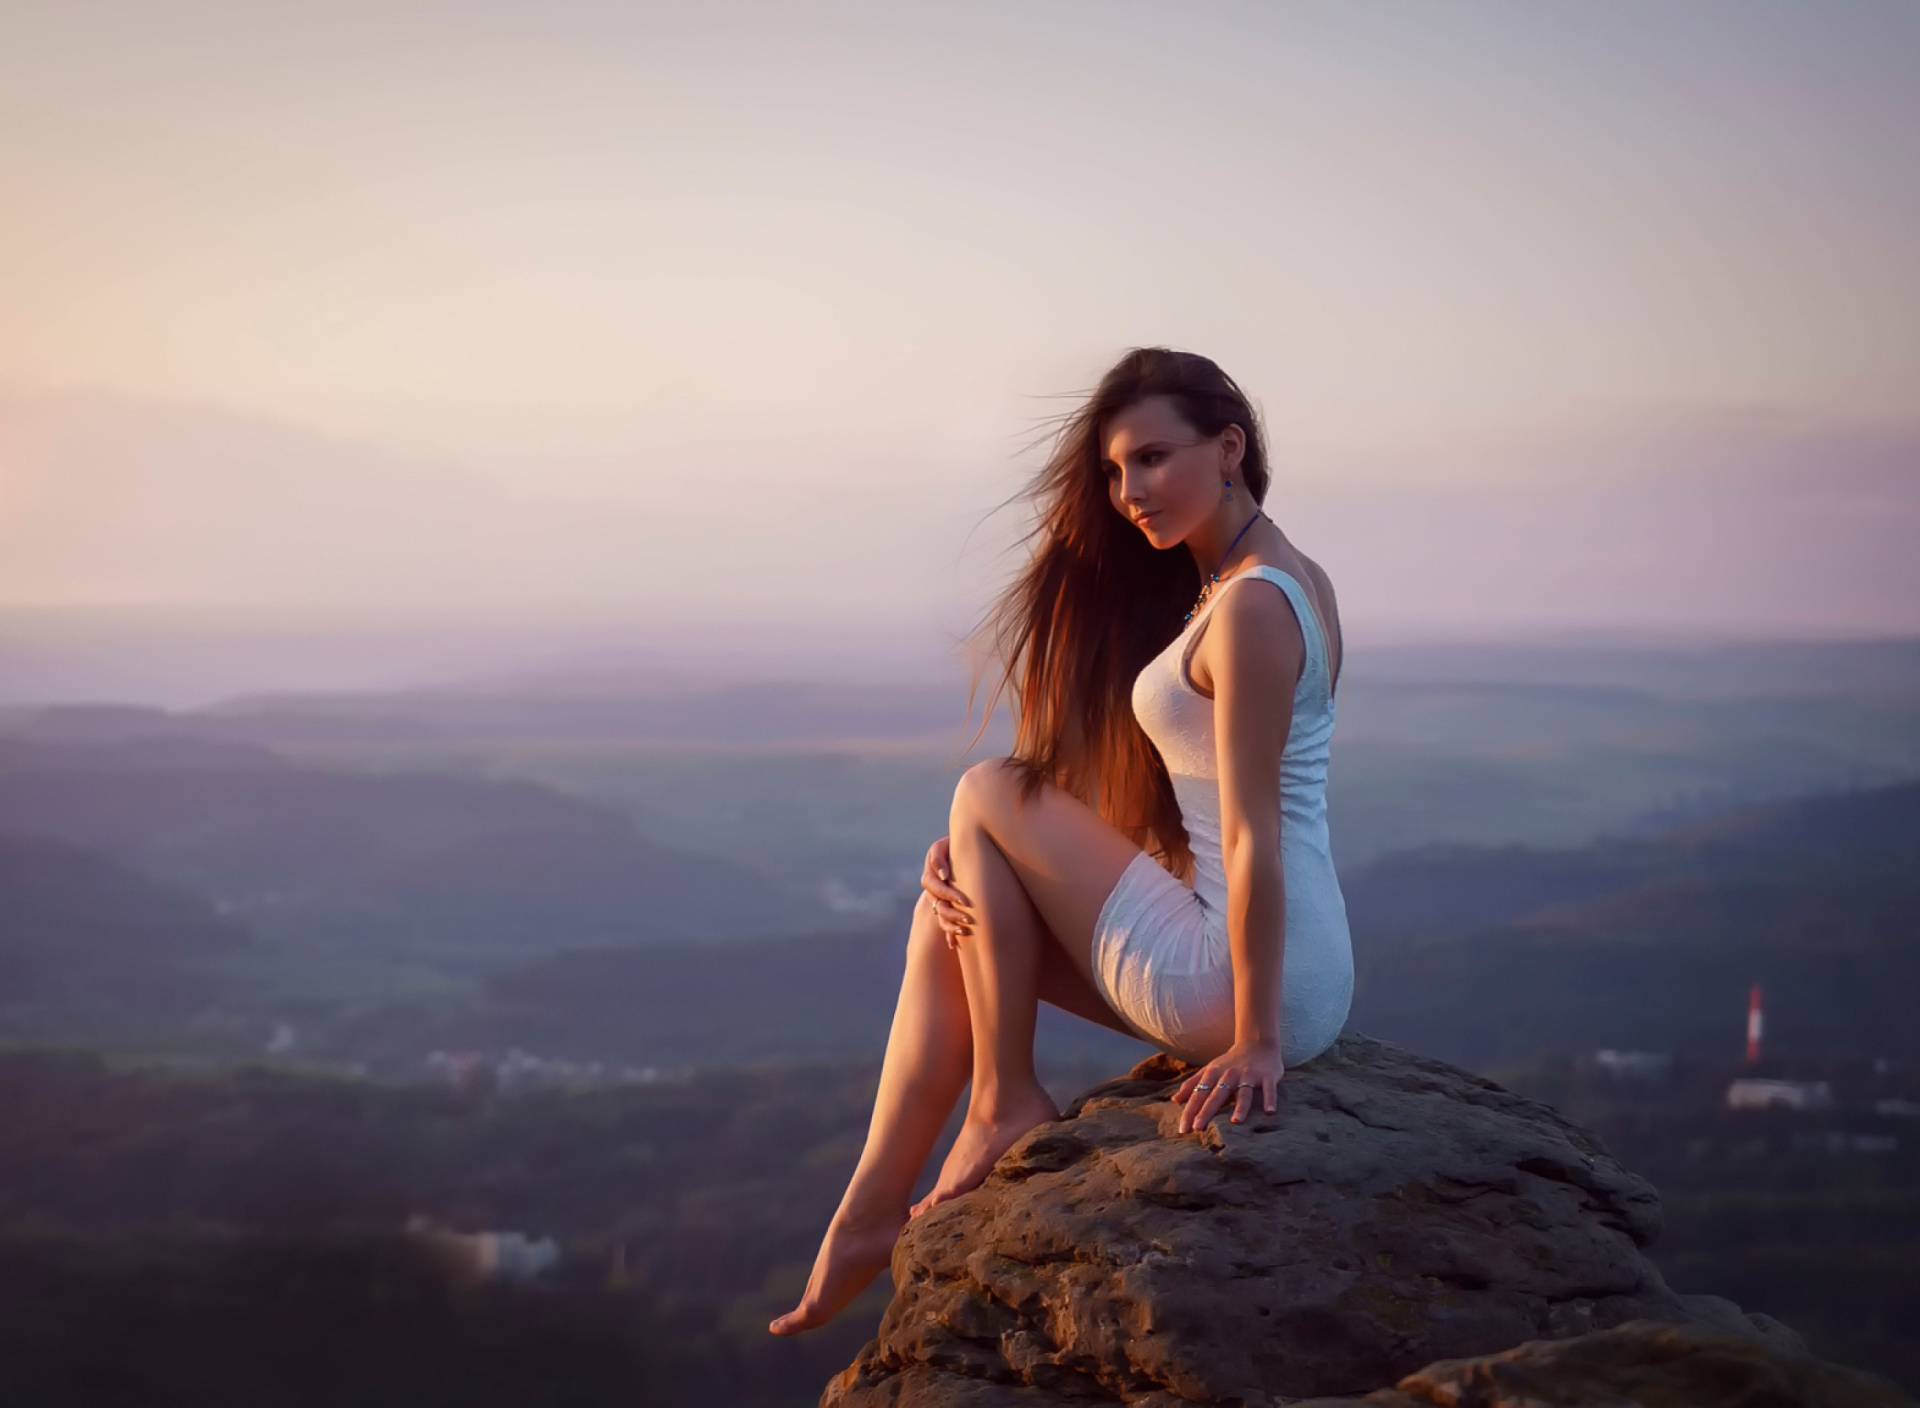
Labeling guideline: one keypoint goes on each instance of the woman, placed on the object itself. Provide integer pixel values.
(1173, 725)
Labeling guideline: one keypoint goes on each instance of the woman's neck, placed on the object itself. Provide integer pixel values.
(1211, 539)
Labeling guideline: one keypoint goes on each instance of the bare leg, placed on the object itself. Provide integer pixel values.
(1017, 857)
(1002, 962)
(929, 1051)
(1063, 861)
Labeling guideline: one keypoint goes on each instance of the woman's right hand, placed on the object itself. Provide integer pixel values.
(950, 906)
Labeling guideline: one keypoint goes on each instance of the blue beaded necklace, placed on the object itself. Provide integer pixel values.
(1206, 589)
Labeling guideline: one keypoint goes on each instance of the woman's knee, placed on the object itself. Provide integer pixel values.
(986, 791)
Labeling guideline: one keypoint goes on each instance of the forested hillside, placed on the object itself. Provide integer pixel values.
(1488, 957)
(1482, 955)
(88, 945)
(403, 865)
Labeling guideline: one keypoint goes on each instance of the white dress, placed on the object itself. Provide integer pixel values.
(1160, 951)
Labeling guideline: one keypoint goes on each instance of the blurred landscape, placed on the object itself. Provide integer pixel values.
(603, 965)
(493, 497)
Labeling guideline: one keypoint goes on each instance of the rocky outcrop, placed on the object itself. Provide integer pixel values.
(1395, 1211)
(1639, 1364)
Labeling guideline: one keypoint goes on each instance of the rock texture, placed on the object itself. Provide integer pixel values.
(1395, 1211)
(1641, 1364)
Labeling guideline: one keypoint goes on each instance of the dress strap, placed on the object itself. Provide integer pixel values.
(1315, 678)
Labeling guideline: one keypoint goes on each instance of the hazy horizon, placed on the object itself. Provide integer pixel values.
(1602, 320)
(189, 660)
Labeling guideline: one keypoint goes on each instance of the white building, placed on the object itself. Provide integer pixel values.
(1634, 1065)
(1752, 1094)
(485, 1256)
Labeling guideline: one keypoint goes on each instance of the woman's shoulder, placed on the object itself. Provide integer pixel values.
(1318, 585)
(1260, 623)
(1303, 571)
(1257, 612)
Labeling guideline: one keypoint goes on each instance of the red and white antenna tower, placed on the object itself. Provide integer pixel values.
(1753, 1024)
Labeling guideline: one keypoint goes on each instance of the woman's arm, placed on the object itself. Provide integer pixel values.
(1255, 654)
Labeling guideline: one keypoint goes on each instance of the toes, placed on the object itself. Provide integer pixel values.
(794, 1322)
(931, 1201)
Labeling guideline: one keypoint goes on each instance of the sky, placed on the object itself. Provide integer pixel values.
(1601, 317)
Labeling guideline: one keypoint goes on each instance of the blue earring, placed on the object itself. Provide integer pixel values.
(1229, 491)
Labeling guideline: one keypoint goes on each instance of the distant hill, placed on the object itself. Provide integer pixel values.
(400, 864)
(596, 943)
(600, 711)
(817, 995)
(1865, 832)
(84, 940)
(1675, 668)
(1541, 744)
(674, 1005)
(1486, 955)
(1493, 956)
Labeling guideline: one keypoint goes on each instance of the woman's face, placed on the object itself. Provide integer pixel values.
(1162, 474)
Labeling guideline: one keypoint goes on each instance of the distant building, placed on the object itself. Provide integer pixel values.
(522, 1068)
(1634, 1065)
(461, 1068)
(485, 1256)
(514, 1256)
(618, 1277)
(1753, 1094)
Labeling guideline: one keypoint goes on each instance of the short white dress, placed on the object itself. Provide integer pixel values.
(1160, 951)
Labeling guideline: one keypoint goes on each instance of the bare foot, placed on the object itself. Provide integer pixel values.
(980, 1144)
(851, 1255)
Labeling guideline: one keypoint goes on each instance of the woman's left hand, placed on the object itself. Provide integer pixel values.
(950, 905)
(1239, 1073)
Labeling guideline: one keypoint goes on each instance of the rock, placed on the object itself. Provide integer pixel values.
(1638, 1365)
(1394, 1212)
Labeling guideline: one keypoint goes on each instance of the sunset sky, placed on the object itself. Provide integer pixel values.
(1560, 316)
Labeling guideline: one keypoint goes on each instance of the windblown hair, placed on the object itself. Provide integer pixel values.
(1097, 601)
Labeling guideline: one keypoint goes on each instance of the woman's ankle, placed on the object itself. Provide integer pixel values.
(1006, 1101)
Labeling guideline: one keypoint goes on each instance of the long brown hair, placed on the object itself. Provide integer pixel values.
(1097, 601)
